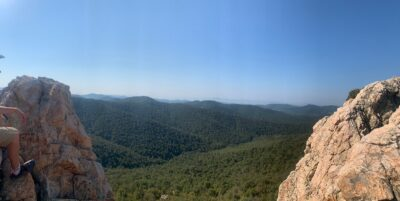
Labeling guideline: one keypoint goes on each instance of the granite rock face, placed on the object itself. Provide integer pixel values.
(55, 138)
(355, 153)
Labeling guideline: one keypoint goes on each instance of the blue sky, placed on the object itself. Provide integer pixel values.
(246, 51)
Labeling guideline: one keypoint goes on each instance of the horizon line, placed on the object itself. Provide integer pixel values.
(219, 100)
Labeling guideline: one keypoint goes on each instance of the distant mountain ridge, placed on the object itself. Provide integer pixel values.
(100, 96)
(116, 97)
(306, 110)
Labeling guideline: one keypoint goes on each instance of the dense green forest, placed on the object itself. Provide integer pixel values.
(249, 171)
(199, 150)
(158, 131)
(114, 155)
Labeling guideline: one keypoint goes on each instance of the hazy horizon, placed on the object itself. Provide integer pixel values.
(277, 51)
(226, 101)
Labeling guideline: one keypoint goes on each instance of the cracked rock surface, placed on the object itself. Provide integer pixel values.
(66, 166)
(354, 154)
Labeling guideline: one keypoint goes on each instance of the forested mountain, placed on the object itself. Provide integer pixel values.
(195, 150)
(306, 110)
(249, 171)
(253, 112)
(100, 96)
(161, 131)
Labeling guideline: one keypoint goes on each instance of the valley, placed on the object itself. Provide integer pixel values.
(249, 171)
(198, 150)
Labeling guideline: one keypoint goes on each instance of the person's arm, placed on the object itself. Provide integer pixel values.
(8, 111)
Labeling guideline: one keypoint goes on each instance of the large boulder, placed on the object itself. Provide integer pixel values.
(355, 153)
(66, 166)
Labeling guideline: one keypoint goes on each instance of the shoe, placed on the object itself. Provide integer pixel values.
(26, 167)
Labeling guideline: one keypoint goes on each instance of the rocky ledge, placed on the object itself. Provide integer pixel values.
(355, 153)
(66, 166)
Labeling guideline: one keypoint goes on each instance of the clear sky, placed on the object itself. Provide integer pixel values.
(253, 51)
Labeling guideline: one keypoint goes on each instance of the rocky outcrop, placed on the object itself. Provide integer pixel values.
(355, 153)
(66, 166)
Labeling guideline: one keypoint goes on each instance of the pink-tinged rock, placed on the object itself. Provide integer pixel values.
(354, 154)
(55, 138)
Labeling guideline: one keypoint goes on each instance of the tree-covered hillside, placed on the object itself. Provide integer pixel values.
(162, 131)
(254, 112)
(114, 155)
(250, 171)
(201, 150)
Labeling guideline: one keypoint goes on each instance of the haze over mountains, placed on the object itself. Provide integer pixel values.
(307, 110)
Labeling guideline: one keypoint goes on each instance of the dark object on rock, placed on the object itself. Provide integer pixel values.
(25, 168)
(352, 94)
